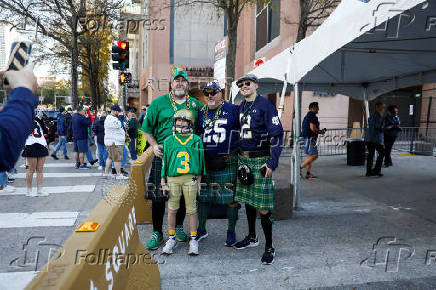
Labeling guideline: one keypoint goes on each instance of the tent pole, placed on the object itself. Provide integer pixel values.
(285, 86)
(365, 99)
(282, 98)
(296, 151)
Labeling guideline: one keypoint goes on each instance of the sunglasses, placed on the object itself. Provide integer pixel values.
(241, 84)
(206, 94)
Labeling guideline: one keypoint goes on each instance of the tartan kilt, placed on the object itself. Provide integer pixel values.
(221, 185)
(260, 194)
(153, 187)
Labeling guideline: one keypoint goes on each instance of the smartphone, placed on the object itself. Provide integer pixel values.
(19, 58)
(263, 171)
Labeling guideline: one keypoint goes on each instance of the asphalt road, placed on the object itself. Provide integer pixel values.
(32, 227)
(354, 232)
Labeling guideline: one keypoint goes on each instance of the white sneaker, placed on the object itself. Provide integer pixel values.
(169, 246)
(193, 247)
(8, 189)
(29, 192)
(41, 192)
(100, 168)
(121, 177)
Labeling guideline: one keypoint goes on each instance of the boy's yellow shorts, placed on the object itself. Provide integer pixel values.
(186, 185)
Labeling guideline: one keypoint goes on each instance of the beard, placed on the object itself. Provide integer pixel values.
(179, 92)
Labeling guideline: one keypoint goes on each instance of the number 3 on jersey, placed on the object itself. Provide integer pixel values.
(245, 128)
(185, 162)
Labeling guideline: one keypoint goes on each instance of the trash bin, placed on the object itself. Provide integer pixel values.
(355, 151)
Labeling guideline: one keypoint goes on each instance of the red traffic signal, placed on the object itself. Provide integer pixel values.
(123, 45)
(120, 55)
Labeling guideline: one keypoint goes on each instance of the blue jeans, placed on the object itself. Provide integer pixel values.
(89, 155)
(90, 138)
(132, 148)
(102, 155)
(3, 179)
(125, 155)
(63, 143)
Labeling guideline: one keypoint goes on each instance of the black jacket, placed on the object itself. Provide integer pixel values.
(98, 128)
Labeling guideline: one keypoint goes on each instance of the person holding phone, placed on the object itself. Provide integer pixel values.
(17, 116)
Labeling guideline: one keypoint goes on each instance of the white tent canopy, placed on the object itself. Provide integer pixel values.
(364, 50)
(381, 46)
(271, 74)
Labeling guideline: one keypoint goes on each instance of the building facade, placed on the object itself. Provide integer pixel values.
(268, 29)
(176, 35)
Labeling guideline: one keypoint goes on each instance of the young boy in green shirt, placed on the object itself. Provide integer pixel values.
(182, 168)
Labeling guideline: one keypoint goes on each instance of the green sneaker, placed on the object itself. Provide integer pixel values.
(155, 240)
(180, 234)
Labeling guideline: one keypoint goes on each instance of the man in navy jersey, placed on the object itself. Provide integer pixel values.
(218, 123)
(309, 132)
(261, 142)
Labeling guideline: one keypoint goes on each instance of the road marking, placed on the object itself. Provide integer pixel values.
(62, 175)
(55, 165)
(16, 280)
(38, 219)
(54, 189)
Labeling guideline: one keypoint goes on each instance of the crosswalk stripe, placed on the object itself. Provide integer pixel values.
(55, 189)
(38, 219)
(16, 280)
(61, 175)
(55, 165)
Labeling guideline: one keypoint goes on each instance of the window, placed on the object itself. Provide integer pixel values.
(267, 22)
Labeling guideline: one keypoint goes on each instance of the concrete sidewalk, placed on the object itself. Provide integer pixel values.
(353, 231)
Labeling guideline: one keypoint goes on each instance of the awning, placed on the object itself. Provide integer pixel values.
(381, 46)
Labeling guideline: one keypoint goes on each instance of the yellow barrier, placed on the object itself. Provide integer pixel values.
(112, 257)
(139, 172)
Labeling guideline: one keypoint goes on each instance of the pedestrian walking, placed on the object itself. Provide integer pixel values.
(62, 133)
(261, 142)
(132, 131)
(374, 141)
(68, 117)
(114, 139)
(309, 133)
(98, 128)
(36, 152)
(80, 123)
(392, 131)
(142, 115)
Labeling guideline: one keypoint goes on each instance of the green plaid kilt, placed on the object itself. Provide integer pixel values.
(152, 188)
(221, 185)
(260, 194)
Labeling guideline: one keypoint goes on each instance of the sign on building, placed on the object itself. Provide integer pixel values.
(219, 68)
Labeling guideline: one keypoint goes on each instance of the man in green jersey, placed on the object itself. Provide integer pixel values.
(157, 126)
(182, 169)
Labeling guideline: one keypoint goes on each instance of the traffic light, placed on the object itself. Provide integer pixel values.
(125, 78)
(120, 55)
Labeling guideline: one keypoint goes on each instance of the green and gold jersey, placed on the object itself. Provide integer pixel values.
(183, 155)
(159, 116)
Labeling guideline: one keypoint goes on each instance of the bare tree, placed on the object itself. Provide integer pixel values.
(56, 19)
(312, 14)
(232, 9)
